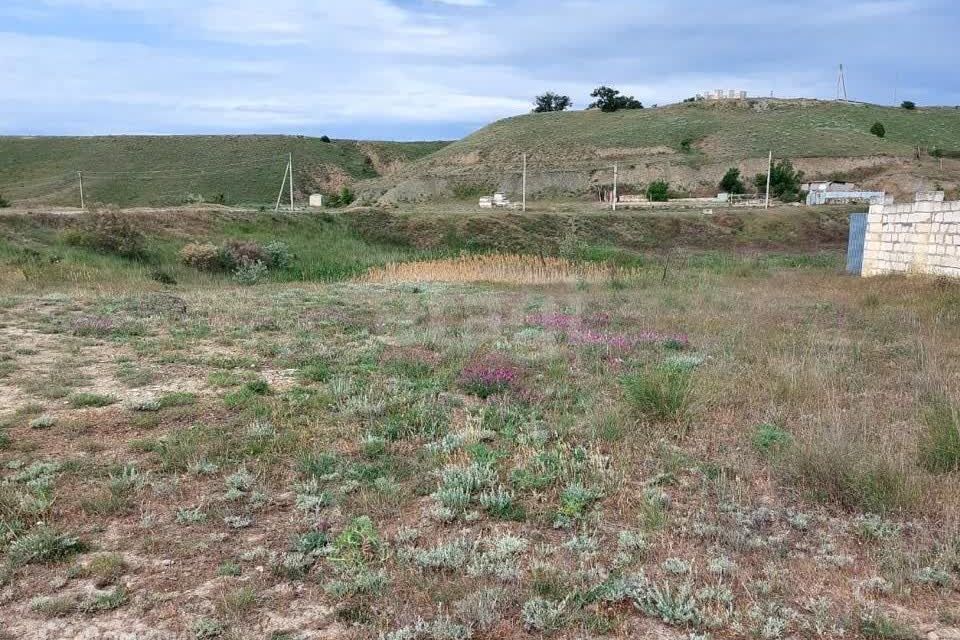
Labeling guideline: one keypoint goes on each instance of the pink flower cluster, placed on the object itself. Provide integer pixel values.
(585, 331)
(488, 376)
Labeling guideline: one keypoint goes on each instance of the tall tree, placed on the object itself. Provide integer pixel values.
(609, 100)
(551, 101)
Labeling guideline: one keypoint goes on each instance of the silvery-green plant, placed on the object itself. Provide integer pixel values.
(543, 615)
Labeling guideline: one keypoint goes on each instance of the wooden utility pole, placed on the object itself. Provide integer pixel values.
(524, 185)
(80, 175)
(282, 185)
(290, 164)
(616, 176)
(769, 170)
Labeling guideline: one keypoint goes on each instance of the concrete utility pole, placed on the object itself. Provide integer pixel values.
(616, 175)
(283, 184)
(290, 164)
(80, 175)
(769, 169)
(524, 185)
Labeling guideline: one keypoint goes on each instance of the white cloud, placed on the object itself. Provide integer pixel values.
(249, 64)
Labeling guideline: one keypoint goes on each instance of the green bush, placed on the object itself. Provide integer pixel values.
(878, 129)
(940, 445)
(4, 203)
(909, 105)
(658, 191)
(662, 394)
(784, 181)
(731, 181)
(342, 199)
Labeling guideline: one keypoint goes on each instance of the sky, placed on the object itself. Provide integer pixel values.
(439, 69)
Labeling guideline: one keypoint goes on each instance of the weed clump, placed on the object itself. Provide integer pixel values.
(662, 394)
(940, 445)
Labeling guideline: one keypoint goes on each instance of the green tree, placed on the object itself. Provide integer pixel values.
(551, 101)
(909, 105)
(731, 182)
(4, 203)
(658, 191)
(609, 100)
(878, 129)
(784, 181)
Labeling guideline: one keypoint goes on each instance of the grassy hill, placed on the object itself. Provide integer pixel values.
(691, 145)
(727, 130)
(165, 170)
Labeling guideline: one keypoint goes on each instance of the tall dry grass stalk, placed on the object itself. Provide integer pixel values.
(500, 268)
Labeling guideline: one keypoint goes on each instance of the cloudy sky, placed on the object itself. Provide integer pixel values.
(432, 69)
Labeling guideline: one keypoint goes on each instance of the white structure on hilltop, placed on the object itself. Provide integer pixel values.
(316, 200)
(720, 94)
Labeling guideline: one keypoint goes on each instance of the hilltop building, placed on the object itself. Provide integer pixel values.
(720, 94)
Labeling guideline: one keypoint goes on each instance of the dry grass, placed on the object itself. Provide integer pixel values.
(335, 474)
(497, 268)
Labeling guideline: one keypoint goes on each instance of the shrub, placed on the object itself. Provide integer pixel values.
(4, 203)
(109, 232)
(237, 253)
(658, 191)
(909, 105)
(940, 445)
(661, 394)
(878, 129)
(278, 255)
(324, 138)
(342, 199)
(250, 273)
(731, 181)
(202, 256)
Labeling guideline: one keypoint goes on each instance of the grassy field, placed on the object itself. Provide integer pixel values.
(704, 131)
(742, 445)
(165, 170)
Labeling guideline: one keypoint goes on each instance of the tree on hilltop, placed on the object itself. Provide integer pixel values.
(609, 100)
(551, 101)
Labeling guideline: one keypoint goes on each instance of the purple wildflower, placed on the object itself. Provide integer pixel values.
(488, 376)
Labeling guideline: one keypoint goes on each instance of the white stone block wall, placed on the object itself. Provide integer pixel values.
(919, 237)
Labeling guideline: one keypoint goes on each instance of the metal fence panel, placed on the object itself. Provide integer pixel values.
(858, 236)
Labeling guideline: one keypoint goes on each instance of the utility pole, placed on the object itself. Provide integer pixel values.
(286, 169)
(524, 181)
(616, 175)
(80, 175)
(841, 85)
(290, 164)
(769, 169)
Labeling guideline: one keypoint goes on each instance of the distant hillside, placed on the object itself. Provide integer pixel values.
(165, 170)
(690, 145)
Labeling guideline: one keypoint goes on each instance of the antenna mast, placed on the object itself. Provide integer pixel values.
(842, 85)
